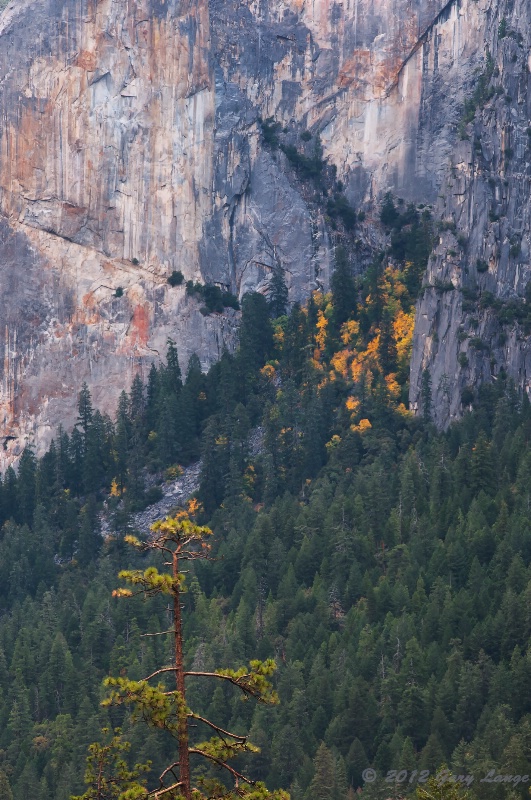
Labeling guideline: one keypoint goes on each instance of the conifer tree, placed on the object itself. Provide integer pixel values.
(256, 337)
(215, 464)
(152, 398)
(171, 374)
(10, 494)
(63, 457)
(343, 288)
(437, 788)
(388, 213)
(108, 774)
(137, 400)
(483, 472)
(387, 346)
(5, 788)
(122, 440)
(85, 411)
(323, 785)
(278, 293)
(26, 485)
(179, 540)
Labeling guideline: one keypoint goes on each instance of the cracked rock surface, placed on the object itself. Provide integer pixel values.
(481, 263)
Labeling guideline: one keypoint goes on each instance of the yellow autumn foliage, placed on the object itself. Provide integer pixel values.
(352, 404)
(349, 331)
(322, 324)
(359, 357)
(362, 426)
(339, 361)
(278, 336)
(194, 506)
(403, 326)
(393, 387)
(403, 411)
(268, 372)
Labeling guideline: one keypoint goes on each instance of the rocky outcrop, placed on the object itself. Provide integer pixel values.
(131, 145)
(467, 326)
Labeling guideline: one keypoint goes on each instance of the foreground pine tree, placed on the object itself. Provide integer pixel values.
(163, 708)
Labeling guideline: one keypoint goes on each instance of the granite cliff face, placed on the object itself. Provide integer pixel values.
(467, 320)
(131, 145)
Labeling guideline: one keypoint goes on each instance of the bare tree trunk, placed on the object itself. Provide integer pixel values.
(184, 755)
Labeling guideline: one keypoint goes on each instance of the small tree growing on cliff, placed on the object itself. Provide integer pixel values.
(178, 540)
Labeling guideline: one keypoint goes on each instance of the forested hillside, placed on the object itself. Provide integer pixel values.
(384, 565)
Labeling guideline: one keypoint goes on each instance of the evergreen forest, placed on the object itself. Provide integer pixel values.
(383, 565)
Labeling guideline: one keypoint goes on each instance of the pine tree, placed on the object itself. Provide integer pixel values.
(5, 788)
(215, 464)
(256, 340)
(387, 345)
(437, 788)
(64, 464)
(278, 293)
(46, 486)
(432, 756)
(122, 440)
(152, 398)
(97, 454)
(343, 289)
(108, 775)
(294, 346)
(323, 785)
(85, 411)
(10, 505)
(137, 401)
(483, 473)
(312, 316)
(74, 476)
(357, 761)
(168, 439)
(388, 213)
(179, 540)
(89, 541)
(171, 373)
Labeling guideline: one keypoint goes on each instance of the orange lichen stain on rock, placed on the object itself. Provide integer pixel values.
(386, 75)
(86, 60)
(86, 313)
(361, 70)
(88, 300)
(72, 211)
(355, 70)
(24, 156)
(139, 329)
(380, 67)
